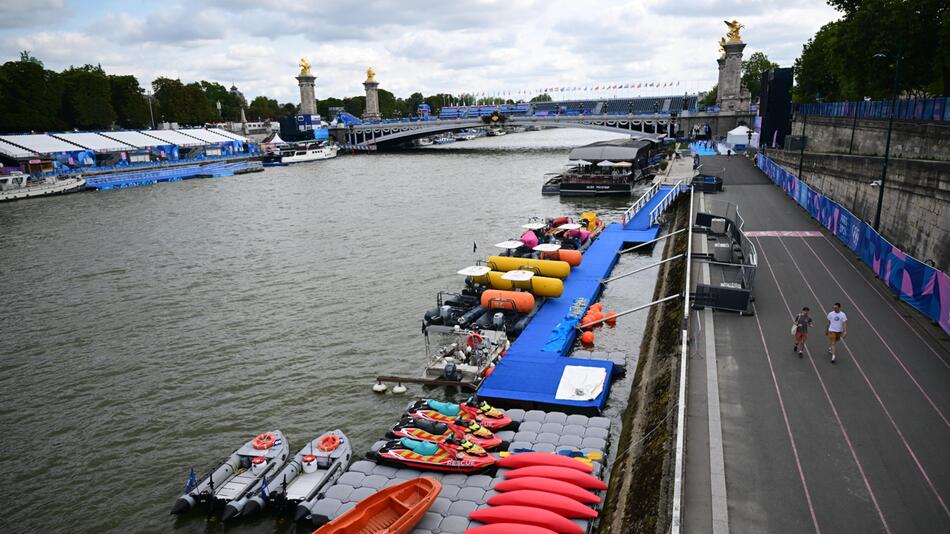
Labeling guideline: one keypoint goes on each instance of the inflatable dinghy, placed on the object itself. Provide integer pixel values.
(239, 478)
(393, 510)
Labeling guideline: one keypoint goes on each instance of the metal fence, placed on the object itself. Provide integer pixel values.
(913, 109)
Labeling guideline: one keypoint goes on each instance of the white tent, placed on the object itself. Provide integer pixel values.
(740, 136)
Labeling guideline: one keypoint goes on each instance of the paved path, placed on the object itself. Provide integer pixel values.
(862, 445)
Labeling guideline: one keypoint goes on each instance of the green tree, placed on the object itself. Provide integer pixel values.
(544, 97)
(711, 96)
(752, 70)
(816, 70)
(87, 98)
(30, 97)
(355, 105)
(170, 95)
(230, 103)
(129, 102)
(263, 108)
(323, 107)
(840, 63)
(199, 110)
(387, 105)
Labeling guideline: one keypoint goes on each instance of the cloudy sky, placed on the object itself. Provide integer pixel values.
(414, 45)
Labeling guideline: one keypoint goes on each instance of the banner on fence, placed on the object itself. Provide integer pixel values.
(922, 286)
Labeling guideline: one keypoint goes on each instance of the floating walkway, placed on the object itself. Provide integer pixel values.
(537, 371)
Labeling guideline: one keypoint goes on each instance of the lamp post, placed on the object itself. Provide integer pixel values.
(148, 98)
(887, 144)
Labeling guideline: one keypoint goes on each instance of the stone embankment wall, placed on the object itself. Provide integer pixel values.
(909, 139)
(915, 213)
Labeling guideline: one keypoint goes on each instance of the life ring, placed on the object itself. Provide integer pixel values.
(474, 340)
(329, 443)
(264, 441)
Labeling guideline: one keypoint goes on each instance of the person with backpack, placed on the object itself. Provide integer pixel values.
(800, 330)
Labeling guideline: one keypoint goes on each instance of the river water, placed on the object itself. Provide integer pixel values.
(152, 329)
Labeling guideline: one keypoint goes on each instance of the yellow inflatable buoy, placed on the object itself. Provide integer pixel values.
(552, 268)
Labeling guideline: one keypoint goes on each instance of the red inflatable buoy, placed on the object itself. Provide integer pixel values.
(527, 459)
(548, 485)
(525, 515)
(611, 318)
(587, 338)
(508, 528)
(597, 307)
(565, 474)
(559, 504)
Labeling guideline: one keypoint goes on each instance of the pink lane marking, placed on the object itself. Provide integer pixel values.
(783, 233)
(857, 363)
(889, 305)
(788, 426)
(871, 324)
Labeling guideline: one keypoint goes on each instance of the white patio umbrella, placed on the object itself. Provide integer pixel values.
(581, 162)
(623, 164)
(606, 163)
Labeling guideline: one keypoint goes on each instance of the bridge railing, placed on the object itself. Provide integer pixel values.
(667, 200)
(642, 201)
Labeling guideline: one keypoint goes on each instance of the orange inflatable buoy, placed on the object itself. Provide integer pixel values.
(611, 318)
(596, 307)
(329, 443)
(489, 371)
(596, 316)
(587, 338)
(498, 299)
(264, 441)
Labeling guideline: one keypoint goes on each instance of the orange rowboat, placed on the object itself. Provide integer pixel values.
(393, 510)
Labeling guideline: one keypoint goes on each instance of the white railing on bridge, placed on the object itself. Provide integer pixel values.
(667, 200)
(638, 205)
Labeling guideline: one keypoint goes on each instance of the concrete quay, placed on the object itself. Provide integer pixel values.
(776, 443)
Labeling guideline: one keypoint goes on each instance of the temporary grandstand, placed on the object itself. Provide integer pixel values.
(618, 106)
(105, 151)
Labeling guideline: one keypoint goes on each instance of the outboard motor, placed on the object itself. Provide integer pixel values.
(451, 372)
(498, 320)
(445, 312)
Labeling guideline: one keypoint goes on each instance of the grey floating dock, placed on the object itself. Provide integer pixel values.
(463, 494)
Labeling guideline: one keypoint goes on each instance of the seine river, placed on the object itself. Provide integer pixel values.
(152, 329)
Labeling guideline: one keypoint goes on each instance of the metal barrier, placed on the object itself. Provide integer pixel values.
(667, 200)
(914, 109)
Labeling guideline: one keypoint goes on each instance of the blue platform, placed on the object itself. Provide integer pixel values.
(699, 149)
(531, 369)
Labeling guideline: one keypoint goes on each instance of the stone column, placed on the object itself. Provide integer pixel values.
(308, 97)
(372, 97)
(731, 95)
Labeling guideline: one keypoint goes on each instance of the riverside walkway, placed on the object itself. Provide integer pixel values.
(777, 443)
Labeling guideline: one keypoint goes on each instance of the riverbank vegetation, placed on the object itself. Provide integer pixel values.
(640, 480)
(856, 56)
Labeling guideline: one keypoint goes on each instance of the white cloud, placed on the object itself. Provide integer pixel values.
(426, 45)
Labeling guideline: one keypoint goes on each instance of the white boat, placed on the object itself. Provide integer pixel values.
(424, 141)
(300, 153)
(465, 135)
(496, 132)
(18, 185)
(444, 140)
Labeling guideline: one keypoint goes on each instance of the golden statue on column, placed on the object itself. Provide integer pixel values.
(733, 33)
(304, 67)
(370, 74)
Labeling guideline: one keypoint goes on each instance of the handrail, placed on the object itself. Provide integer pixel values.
(642, 201)
(666, 201)
(679, 469)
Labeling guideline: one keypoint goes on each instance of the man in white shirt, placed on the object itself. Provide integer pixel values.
(837, 328)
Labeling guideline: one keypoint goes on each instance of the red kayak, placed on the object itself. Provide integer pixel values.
(565, 474)
(509, 528)
(528, 459)
(393, 510)
(559, 504)
(548, 485)
(526, 516)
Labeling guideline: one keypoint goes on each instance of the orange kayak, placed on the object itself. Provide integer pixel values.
(393, 510)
